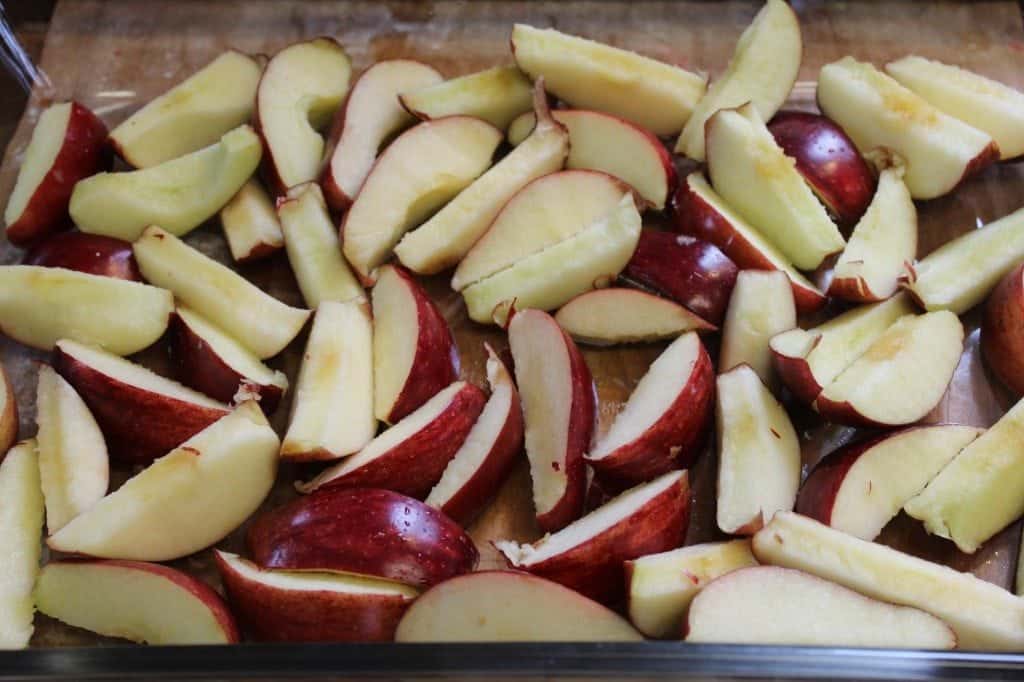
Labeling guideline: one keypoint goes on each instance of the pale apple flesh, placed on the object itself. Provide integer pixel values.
(21, 524)
(608, 317)
(8, 412)
(761, 306)
(250, 224)
(496, 95)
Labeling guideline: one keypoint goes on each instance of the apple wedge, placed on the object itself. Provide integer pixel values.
(250, 224)
(21, 524)
(762, 71)
(660, 587)
(8, 413)
(191, 115)
(761, 306)
(489, 452)
(861, 487)
(591, 75)
(983, 615)
(211, 362)
(332, 411)
(587, 555)
(752, 173)
(178, 195)
(900, 377)
(67, 145)
(262, 323)
(1002, 331)
(314, 253)
(496, 95)
(980, 102)
(402, 191)
(664, 423)
(40, 305)
(370, 116)
(92, 254)
(608, 317)
(442, 241)
(286, 606)
(758, 453)
(411, 456)
(297, 96)
(767, 605)
(699, 212)
(142, 602)
(412, 543)
(876, 111)
(559, 409)
(414, 352)
(186, 500)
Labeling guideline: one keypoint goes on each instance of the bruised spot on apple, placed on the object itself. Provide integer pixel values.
(92, 254)
(21, 525)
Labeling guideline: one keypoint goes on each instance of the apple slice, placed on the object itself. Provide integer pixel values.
(762, 71)
(67, 145)
(414, 352)
(370, 116)
(146, 603)
(761, 307)
(983, 615)
(758, 453)
(1002, 331)
(587, 555)
(213, 363)
(754, 175)
(882, 245)
(771, 605)
(185, 501)
(92, 254)
(21, 524)
(876, 111)
(608, 317)
(442, 241)
(191, 115)
(250, 224)
(701, 213)
(313, 249)
(412, 543)
(861, 487)
(297, 96)
(559, 408)
(900, 377)
(286, 606)
(496, 95)
(336, 378)
(489, 452)
(591, 75)
(260, 322)
(661, 586)
(402, 190)
(509, 606)
(8, 413)
(411, 456)
(983, 103)
(663, 425)
(40, 305)
(178, 195)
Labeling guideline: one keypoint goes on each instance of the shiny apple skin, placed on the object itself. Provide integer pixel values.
(1002, 331)
(93, 254)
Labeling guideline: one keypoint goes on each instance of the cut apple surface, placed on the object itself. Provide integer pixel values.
(67, 145)
(8, 412)
(250, 224)
(591, 75)
(92, 254)
(496, 95)
(876, 111)
(772, 605)
(332, 410)
(416, 175)
(178, 195)
(509, 606)
(21, 524)
(900, 377)
(749, 170)
(260, 322)
(185, 501)
(607, 317)
(1002, 331)
(663, 425)
(414, 352)
(300, 90)
(762, 71)
(191, 115)
(861, 487)
(761, 306)
(142, 602)
(39, 305)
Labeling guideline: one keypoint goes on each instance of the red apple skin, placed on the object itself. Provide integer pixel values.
(369, 531)
(84, 152)
(1002, 331)
(796, 374)
(692, 272)
(818, 493)
(93, 254)
(139, 425)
